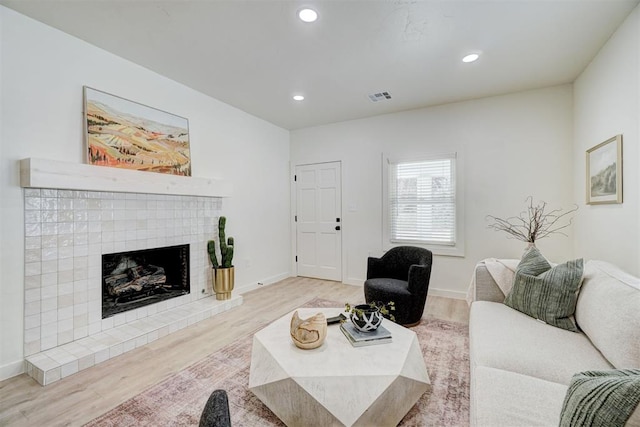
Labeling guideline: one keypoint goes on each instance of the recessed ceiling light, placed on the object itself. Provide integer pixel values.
(308, 15)
(298, 98)
(471, 57)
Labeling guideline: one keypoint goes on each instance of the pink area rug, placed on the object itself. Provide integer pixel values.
(179, 400)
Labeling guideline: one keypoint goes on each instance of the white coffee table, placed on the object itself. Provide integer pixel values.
(337, 384)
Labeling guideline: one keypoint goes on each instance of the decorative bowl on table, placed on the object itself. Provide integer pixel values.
(366, 318)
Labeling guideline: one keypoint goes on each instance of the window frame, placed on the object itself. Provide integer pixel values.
(456, 250)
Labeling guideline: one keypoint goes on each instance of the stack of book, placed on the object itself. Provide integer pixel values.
(359, 339)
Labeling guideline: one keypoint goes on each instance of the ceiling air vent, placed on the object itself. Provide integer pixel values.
(379, 96)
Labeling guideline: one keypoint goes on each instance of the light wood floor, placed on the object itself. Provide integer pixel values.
(81, 397)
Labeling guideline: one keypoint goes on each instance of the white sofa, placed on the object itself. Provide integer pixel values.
(521, 367)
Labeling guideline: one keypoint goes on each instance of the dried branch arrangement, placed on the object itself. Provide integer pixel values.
(534, 223)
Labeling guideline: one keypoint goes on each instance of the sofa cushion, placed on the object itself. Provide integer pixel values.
(503, 398)
(503, 338)
(608, 311)
(544, 292)
(602, 399)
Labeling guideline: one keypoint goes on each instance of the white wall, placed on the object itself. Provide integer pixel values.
(6, 292)
(43, 71)
(606, 100)
(513, 146)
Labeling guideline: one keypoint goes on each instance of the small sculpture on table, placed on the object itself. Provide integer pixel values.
(308, 333)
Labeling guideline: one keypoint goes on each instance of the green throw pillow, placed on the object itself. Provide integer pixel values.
(602, 399)
(546, 293)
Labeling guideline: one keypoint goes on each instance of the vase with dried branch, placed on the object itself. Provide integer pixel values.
(535, 223)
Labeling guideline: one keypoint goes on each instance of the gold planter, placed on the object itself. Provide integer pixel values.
(223, 279)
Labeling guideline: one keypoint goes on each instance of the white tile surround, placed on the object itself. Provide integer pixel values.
(66, 233)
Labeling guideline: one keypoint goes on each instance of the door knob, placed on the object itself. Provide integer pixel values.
(337, 228)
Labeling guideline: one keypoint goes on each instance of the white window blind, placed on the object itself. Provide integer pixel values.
(422, 201)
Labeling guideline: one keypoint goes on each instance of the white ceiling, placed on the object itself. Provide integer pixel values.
(255, 55)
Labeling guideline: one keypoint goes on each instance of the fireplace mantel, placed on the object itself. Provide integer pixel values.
(41, 173)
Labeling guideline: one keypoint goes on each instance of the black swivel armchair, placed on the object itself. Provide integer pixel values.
(402, 276)
(216, 411)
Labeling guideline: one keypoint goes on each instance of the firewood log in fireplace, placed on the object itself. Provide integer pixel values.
(138, 279)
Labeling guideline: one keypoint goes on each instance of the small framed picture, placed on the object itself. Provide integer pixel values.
(604, 172)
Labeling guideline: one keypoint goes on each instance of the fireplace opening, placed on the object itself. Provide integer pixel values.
(134, 279)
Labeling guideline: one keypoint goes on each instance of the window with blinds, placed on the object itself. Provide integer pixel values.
(422, 201)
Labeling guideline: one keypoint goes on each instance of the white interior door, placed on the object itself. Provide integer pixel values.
(318, 221)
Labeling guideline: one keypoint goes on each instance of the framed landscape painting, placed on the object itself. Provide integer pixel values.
(124, 134)
(604, 172)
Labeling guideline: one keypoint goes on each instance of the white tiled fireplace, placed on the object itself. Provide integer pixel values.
(66, 234)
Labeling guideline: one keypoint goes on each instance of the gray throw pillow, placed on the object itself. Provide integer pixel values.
(546, 293)
(602, 399)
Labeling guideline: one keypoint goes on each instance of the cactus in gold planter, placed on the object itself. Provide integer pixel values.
(223, 273)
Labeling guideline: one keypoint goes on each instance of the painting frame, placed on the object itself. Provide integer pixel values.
(126, 134)
(602, 161)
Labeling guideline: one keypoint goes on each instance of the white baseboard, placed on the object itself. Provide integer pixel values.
(354, 282)
(262, 283)
(11, 370)
(447, 293)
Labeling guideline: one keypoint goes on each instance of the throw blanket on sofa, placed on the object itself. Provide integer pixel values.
(502, 271)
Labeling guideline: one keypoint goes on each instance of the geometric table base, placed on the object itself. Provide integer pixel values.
(337, 384)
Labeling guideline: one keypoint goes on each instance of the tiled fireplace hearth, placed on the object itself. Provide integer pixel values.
(67, 232)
